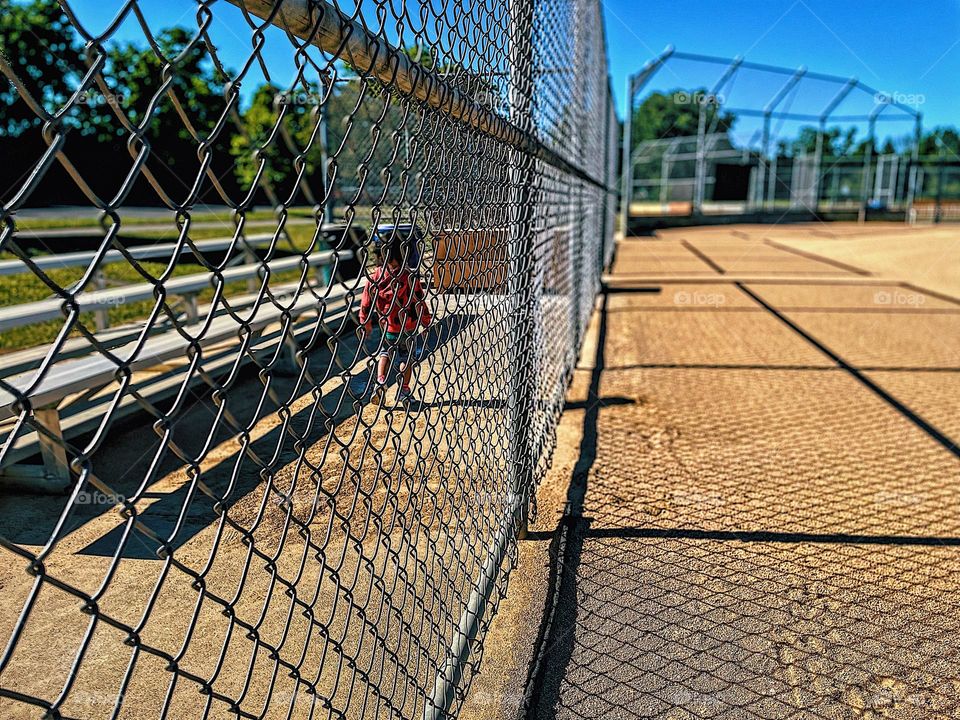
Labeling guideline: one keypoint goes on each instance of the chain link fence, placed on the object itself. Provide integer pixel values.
(220, 499)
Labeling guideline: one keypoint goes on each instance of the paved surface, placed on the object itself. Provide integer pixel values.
(765, 504)
(351, 552)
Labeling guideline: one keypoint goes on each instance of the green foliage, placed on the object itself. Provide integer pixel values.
(45, 52)
(678, 115)
(39, 44)
(836, 143)
(198, 87)
(260, 142)
(943, 142)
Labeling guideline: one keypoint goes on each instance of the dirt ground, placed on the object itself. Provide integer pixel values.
(759, 449)
(755, 460)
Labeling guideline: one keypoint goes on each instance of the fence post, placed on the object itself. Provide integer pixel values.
(760, 189)
(941, 179)
(602, 244)
(101, 317)
(329, 203)
(817, 164)
(523, 376)
(626, 189)
(700, 174)
(865, 190)
(914, 166)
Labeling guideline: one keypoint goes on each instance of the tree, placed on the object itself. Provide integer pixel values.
(274, 118)
(941, 141)
(678, 115)
(47, 55)
(39, 44)
(836, 143)
(136, 75)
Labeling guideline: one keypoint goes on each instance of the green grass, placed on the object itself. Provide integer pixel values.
(84, 222)
(24, 288)
(301, 235)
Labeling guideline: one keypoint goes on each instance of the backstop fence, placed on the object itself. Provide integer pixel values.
(212, 506)
(725, 136)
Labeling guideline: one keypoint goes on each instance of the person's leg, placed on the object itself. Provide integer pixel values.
(387, 353)
(387, 349)
(383, 366)
(405, 349)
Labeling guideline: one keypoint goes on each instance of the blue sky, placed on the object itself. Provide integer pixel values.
(905, 47)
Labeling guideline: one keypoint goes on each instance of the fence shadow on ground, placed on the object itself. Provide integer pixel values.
(754, 585)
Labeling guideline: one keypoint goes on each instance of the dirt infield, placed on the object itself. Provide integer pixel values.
(762, 428)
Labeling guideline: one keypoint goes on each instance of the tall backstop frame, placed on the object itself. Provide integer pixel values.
(678, 174)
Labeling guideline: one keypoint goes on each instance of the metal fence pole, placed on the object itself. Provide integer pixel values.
(761, 185)
(914, 167)
(941, 179)
(604, 222)
(522, 255)
(626, 183)
(700, 176)
(867, 167)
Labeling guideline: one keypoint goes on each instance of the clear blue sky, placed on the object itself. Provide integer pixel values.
(909, 47)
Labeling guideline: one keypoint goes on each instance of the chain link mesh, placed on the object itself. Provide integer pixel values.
(249, 525)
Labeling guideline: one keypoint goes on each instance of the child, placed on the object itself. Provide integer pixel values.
(394, 292)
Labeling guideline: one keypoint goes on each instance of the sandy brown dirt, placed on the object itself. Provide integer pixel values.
(923, 255)
(763, 534)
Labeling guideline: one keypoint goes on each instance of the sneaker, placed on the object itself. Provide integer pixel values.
(405, 396)
(379, 391)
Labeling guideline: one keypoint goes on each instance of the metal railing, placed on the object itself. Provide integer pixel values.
(275, 535)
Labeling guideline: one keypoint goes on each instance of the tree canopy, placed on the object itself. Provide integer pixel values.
(371, 138)
(677, 114)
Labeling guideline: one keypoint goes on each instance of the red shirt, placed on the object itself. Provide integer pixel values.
(398, 298)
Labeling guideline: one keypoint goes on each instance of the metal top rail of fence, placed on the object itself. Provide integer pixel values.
(284, 475)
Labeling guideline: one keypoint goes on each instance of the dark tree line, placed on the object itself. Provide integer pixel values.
(270, 142)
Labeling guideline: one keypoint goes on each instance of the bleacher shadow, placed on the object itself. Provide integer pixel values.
(185, 512)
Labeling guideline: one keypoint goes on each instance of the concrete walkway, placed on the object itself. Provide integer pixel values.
(763, 520)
